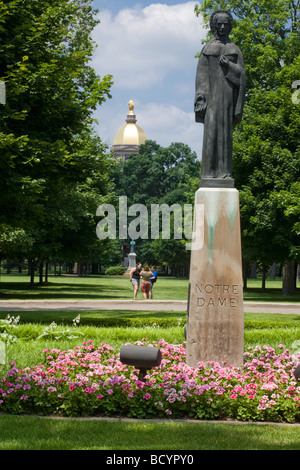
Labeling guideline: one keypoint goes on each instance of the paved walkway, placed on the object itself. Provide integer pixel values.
(148, 305)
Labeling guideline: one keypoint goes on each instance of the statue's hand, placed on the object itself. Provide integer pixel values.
(224, 61)
(200, 104)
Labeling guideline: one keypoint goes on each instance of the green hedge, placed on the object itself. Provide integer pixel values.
(115, 271)
(260, 325)
(138, 322)
(178, 319)
(134, 322)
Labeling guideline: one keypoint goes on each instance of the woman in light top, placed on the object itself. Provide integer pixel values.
(146, 274)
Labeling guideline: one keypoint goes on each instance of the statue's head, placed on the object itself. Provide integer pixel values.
(221, 23)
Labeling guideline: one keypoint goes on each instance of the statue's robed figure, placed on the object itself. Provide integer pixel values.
(219, 100)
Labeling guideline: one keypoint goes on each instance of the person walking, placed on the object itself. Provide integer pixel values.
(135, 279)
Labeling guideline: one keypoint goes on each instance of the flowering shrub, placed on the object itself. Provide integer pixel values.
(90, 380)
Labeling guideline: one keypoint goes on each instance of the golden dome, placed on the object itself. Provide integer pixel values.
(130, 133)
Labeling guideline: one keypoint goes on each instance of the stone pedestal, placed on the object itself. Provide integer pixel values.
(215, 321)
(131, 263)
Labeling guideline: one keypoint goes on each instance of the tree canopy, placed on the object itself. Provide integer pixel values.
(155, 176)
(53, 166)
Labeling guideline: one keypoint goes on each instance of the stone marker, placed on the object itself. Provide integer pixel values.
(131, 258)
(215, 325)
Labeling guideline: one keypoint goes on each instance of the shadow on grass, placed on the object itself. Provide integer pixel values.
(95, 317)
(255, 294)
(117, 287)
(93, 434)
(133, 318)
(65, 290)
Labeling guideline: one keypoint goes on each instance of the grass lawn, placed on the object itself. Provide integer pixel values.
(49, 433)
(260, 329)
(119, 287)
(53, 433)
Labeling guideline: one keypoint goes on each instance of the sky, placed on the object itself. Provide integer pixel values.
(149, 48)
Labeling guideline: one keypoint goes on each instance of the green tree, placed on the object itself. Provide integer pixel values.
(160, 175)
(53, 169)
(66, 230)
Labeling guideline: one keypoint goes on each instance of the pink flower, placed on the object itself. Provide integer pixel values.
(262, 407)
(147, 396)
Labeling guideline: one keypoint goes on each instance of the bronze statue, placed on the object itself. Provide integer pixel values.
(219, 100)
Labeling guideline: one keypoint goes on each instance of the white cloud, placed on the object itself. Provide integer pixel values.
(168, 123)
(140, 47)
(150, 53)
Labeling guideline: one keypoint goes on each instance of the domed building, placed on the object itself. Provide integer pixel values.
(129, 137)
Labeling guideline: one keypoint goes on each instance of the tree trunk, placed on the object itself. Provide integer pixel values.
(288, 282)
(31, 268)
(31, 272)
(41, 271)
(263, 280)
(46, 271)
(253, 274)
(8, 266)
(245, 265)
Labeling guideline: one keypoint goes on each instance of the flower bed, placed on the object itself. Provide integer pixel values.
(90, 380)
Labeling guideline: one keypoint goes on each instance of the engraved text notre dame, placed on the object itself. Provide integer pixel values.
(217, 295)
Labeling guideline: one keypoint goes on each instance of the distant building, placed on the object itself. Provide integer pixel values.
(129, 137)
